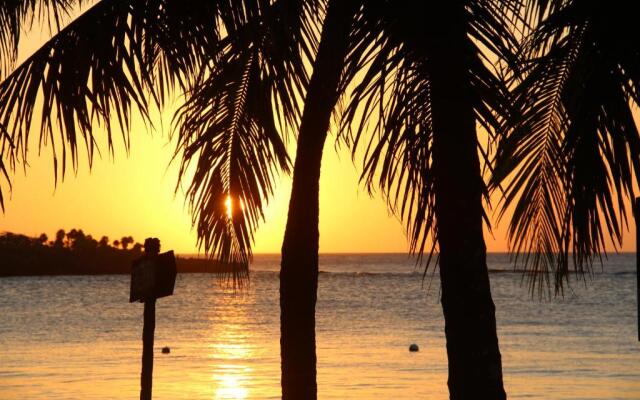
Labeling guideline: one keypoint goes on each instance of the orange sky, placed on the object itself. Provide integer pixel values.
(134, 195)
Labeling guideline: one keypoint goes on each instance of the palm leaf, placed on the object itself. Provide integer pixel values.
(16, 15)
(574, 156)
(227, 125)
(390, 46)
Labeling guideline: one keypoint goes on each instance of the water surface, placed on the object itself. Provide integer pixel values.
(77, 337)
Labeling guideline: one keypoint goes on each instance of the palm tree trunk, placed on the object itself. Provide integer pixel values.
(299, 266)
(475, 367)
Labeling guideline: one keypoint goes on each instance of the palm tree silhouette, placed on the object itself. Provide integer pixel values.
(60, 235)
(573, 156)
(117, 52)
(299, 265)
(125, 241)
(103, 242)
(425, 89)
(425, 152)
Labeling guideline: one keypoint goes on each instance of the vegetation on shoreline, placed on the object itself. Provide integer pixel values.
(76, 253)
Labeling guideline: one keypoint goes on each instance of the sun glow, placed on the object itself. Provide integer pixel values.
(228, 204)
(229, 207)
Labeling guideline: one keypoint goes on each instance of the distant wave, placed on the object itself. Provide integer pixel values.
(492, 271)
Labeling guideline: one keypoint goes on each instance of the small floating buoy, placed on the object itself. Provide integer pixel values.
(166, 350)
(414, 347)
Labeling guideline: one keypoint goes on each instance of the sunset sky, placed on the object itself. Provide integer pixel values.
(134, 195)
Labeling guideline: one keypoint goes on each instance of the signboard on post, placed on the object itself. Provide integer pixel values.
(153, 277)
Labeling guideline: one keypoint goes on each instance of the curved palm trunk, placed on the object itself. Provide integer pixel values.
(475, 369)
(299, 266)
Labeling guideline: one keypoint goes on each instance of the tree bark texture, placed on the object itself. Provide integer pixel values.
(475, 367)
(299, 265)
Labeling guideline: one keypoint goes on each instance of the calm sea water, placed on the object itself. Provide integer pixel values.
(79, 338)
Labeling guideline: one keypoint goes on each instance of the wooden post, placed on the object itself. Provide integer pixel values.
(148, 330)
(152, 276)
(637, 215)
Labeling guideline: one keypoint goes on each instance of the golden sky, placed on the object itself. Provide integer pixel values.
(134, 195)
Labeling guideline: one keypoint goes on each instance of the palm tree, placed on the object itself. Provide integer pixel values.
(104, 241)
(117, 52)
(299, 266)
(60, 235)
(228, 126)
(573, 157)
(425, 89)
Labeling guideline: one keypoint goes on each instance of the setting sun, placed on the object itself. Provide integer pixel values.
(229, 206)
(319, 199)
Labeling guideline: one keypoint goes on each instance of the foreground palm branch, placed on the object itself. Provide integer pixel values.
(16, 15)
(570, 163)
(394, 98)
(126, 56)
(227, 124)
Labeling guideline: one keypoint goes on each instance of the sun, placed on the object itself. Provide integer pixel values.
(229, 207)
(228, 204)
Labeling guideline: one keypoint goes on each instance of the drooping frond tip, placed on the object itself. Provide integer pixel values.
(20, 15)
(115, 58)
(573, 157)
(227, 128)
(389, 117)
(5, 149)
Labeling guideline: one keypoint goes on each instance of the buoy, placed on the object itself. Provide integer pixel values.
(414, 347)
(166, 350)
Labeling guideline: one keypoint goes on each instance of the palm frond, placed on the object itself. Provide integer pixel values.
(394, 99)
(99, 69)
(88, 73)
(5, 149)
(575, 155)
(531, 155)
(227, 125)
(394, 104)
(285, 33)
(19, 15)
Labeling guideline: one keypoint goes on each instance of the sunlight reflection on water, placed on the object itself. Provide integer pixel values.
(230, 375)
(79, 338)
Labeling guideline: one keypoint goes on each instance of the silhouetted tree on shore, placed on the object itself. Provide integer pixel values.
(60, 235)
(80, 254)
(125, 242)
(104, 241)
(27, 256)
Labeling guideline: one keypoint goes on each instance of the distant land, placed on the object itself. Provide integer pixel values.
(76, 253)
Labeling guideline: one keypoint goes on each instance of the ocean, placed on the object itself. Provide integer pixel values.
(78, 337)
